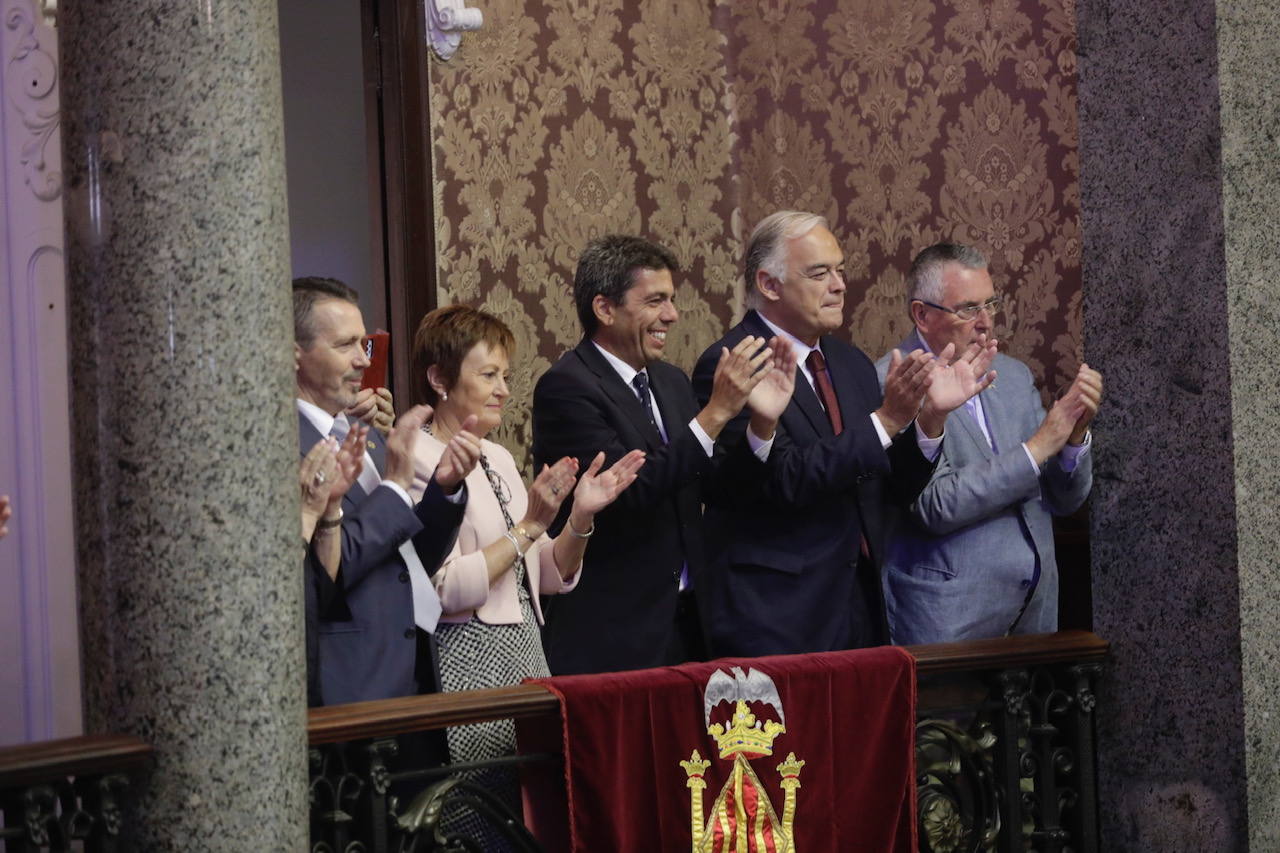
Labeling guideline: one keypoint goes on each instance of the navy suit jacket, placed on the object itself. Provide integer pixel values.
(368, 644)
(622, 613)
(784, 536)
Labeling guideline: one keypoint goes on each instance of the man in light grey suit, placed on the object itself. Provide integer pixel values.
(974, 555)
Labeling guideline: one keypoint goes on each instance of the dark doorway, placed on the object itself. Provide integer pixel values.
(357, 137)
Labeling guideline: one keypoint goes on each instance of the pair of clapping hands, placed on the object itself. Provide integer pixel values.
(593, 491)
(919, 386)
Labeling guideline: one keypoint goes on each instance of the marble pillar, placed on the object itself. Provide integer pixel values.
(1180, 187)
(184, 431)
(1249, 86)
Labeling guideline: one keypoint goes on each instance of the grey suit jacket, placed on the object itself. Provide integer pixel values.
(978, 542)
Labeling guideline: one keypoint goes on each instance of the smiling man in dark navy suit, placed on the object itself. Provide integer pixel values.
(634, 606)
(795, 507)
(375, 620)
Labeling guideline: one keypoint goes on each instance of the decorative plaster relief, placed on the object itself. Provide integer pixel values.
(31, 81)
(447, 20)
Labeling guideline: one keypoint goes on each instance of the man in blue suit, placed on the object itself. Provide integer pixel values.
(796, 502)
(375, 619)
(973, 556)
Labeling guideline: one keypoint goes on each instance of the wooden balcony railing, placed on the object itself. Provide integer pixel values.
(1004, 757)
(1004, 745)
(67, 794)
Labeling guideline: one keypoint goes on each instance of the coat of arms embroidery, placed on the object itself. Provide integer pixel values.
(742, 819)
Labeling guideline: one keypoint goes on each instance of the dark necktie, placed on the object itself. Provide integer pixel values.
(822, 383)
(641, 384)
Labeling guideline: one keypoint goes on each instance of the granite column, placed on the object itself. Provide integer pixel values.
(185, 439)
(1180, 184)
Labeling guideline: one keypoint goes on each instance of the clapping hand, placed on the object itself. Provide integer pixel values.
(957, 379)
(738, 372)
(1088, 385)
(327, 472)
(400, 444)
(770, 396)
(905, 386)
(316, 475)
(348, 463)
(596, 490)
(547, 491)
(460, 456)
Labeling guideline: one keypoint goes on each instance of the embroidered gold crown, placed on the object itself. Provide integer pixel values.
(746, 734)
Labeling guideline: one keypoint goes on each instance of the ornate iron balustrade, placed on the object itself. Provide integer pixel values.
(995, 716)
(368, 797)
(1005, 744)
(67, 794)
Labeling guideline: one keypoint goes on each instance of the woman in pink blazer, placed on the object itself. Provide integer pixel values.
(503, 561)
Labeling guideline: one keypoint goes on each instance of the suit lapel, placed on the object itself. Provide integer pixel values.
(999, 421)
(848, 395)
(622, 395)
(376, 446)
(804, 406)
(970, 427)
(668, 399)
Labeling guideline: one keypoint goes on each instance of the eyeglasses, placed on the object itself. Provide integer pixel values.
(968, 312)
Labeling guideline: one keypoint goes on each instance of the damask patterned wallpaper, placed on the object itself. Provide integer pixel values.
(903, 121)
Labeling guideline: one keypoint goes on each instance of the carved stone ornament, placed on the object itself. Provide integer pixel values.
(31, 81)
(447, 20)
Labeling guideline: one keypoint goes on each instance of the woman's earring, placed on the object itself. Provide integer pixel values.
(444, 395)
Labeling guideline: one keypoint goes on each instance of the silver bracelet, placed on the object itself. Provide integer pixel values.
(573, 531)
(511, 537)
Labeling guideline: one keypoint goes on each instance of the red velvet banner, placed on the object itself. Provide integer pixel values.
(803, 753)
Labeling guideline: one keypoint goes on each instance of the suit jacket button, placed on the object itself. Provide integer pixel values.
(409, 633)
(1025, 584)
(404, 577)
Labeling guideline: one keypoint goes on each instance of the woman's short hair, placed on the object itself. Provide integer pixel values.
(444, 338)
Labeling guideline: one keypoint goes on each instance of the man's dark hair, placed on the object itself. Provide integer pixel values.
(607, 267)
(309, 290)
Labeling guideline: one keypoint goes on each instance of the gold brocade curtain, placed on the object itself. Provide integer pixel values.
(902, 121)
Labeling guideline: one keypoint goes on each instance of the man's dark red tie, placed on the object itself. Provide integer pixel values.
(822, 381)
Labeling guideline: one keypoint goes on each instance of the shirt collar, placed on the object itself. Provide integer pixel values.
(318, 417)
(624, 370)
(802, 349)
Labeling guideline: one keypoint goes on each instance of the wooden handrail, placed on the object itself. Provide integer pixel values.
(387, 717)
(87, 755)
(1004, 652)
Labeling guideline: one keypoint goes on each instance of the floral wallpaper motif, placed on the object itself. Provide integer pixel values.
(902, 121)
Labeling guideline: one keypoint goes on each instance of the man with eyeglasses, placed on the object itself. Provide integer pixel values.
(796, 500)
(973, 556)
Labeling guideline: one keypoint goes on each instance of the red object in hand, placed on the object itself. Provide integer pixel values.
(375, 349)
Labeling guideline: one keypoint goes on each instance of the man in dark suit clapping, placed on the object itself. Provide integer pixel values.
(375, 619)
(634, 606)
(794, 517)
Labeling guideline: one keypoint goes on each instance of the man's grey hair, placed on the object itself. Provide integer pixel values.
(924, 280)
(307, 292)
(767, 246)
